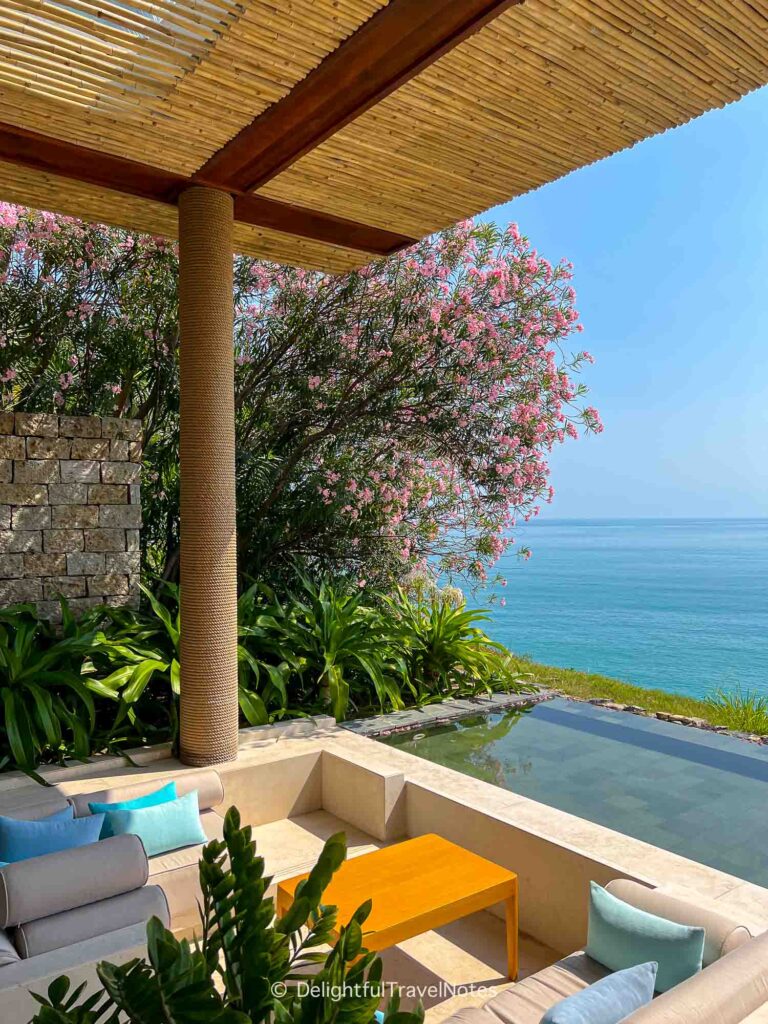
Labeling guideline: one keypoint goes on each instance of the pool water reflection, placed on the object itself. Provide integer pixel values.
(697, 793)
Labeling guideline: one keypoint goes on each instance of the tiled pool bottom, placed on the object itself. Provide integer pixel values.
(696, 793)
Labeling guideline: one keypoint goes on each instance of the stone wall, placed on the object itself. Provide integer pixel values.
(70, 510)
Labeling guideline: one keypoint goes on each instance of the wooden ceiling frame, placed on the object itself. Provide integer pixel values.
(66, 160)
(387, 51)
(393, 46)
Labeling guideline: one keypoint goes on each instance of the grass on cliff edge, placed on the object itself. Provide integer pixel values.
(744, 711)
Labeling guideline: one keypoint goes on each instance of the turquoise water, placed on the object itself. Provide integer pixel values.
(680, 604)
(693, 792)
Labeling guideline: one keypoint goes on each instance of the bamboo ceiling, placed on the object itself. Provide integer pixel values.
(514, 96)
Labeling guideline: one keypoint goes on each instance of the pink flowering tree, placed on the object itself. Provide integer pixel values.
(388, 420)
(406, 412)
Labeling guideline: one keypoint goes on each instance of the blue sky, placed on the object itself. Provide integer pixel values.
(670, 246)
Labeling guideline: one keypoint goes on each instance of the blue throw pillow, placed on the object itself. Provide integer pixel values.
(622, 936)
(65, 814)
(164, 827)
(20, 840)
(609, 1000)
(158, 796)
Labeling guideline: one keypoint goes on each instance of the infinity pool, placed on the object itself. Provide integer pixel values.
(696, 793)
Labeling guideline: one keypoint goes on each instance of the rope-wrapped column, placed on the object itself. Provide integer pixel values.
(209, 710)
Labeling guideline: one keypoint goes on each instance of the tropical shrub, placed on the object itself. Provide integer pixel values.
(244, 968)
(47, 701)
(401, 413)
(337, 651)
(112, 679)
(329, 648)
(141, 649)
(443, 650)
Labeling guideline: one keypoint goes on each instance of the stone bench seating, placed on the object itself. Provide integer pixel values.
(298, 783)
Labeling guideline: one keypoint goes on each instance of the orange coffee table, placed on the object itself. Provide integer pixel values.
(415, 886)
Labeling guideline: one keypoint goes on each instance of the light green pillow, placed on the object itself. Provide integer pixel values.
(622, 936)
(164, 827)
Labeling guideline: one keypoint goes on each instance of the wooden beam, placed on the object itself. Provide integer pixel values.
(66, 160)
(392, 47)
(31, 149)
(322, 227)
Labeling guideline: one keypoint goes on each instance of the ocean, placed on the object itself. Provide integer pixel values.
(679, 604)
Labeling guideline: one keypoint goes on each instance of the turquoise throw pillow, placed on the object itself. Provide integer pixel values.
(622, 936)
(158, 796)
(20, 840)
(164, 827)
(609, 1000)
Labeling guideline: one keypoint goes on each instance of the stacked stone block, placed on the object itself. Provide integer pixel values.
(70, 511)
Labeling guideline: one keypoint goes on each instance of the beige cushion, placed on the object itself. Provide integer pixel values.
(722, 934)
(38, 937)
(8, 954)
(724, 993)
(472, 1015)
(526, 1002)
(210, 791)
(41, 886)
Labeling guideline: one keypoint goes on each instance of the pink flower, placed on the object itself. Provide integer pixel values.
(314, 382)
(9, 215)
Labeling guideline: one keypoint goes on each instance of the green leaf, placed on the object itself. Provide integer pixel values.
(252, 707)
(21, 738)
(140, 677)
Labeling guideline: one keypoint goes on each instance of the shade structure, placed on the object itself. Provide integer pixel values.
(346, 128)
(324, 133)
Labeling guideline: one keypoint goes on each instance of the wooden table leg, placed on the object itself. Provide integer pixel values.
(279, 907)
(511, 916)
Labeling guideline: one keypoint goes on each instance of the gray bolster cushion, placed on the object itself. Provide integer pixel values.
(41, 886)
(8, 954)
(34, 812)
(83, 923)
(210, 791)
